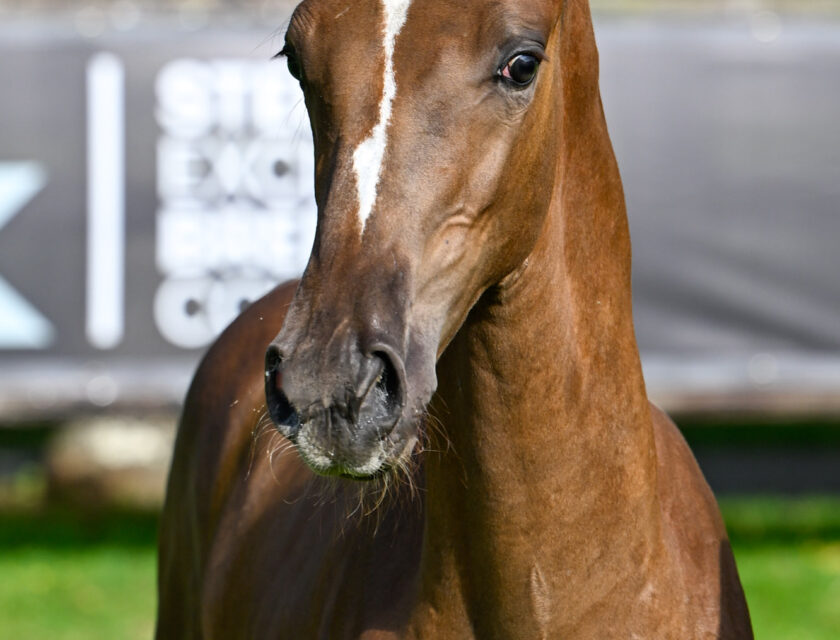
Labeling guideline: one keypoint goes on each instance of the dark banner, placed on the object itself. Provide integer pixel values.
(154, 181)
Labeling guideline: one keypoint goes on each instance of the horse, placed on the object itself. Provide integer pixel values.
(460, 350)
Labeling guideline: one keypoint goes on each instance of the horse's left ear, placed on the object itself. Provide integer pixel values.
(578, 53)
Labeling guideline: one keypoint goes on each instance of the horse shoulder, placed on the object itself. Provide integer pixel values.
(695, 534)
(223, 406)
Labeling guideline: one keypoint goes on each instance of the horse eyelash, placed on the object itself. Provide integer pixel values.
(283, 53)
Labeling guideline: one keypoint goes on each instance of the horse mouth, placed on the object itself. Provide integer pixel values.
(352, 461)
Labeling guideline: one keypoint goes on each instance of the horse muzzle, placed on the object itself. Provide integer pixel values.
(344, 418)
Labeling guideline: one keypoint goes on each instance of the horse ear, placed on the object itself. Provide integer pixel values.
(578, 51)
(588, 178)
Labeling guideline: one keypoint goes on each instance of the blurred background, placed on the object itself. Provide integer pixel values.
(156, 177)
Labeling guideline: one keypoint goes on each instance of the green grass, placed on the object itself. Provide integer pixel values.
(788, 555)
(768, 520)
(793, 591)
(105, 593)
(66, 576)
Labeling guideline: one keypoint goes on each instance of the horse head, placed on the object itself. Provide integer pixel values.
(437, 160)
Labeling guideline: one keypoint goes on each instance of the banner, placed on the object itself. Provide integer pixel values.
(154, 182)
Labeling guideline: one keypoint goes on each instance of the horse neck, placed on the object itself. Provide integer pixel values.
(542, 493)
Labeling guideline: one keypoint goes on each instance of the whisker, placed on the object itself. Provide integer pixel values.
(281, 449)
(262, 426)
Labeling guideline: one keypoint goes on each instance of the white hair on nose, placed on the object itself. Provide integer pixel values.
(367, 159)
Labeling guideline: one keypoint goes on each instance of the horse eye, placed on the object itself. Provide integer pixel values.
(294, 67)
(291, 61)
(521, 69)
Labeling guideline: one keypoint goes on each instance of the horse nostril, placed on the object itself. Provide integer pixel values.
(383, 400)
(279, 408)
(273, 359)
(388, 385)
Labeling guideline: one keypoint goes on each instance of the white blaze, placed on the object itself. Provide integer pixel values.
(367, 159)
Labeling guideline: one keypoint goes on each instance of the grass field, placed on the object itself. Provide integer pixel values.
(66, 578)
(788, 554)
(77, 594)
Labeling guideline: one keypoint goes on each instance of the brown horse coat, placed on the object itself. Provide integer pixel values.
(471, 310)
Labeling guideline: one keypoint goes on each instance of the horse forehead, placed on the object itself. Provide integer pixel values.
(391, 43)
(428, 23)
(354, 47)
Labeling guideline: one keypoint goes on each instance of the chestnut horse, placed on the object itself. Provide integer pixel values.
(463, 328)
